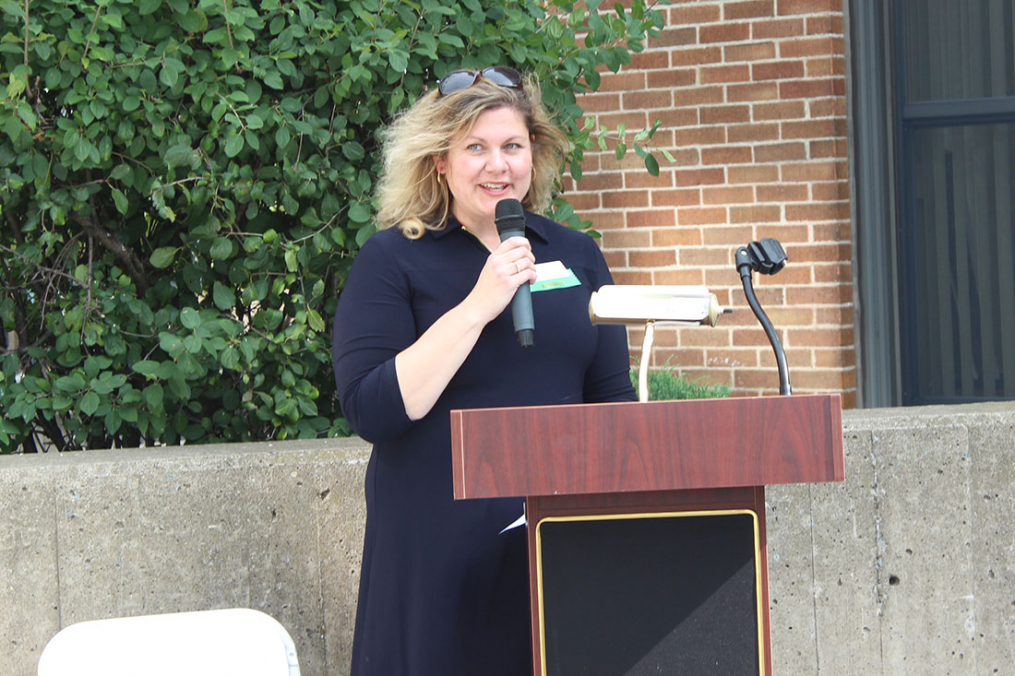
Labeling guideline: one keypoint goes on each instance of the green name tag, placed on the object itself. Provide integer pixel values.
(564, 282)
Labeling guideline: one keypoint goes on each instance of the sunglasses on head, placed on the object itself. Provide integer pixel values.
(463, 79)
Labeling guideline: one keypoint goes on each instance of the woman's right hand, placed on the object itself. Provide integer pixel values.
(507, 267)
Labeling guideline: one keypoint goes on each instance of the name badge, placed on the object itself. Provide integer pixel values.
(553, 275)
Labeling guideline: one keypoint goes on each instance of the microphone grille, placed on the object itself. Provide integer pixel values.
(509, 215)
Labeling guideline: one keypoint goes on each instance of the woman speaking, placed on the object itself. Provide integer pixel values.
(422, 327)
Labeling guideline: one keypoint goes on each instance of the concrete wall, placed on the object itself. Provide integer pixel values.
(906, 568)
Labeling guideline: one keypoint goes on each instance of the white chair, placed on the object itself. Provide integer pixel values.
(234, 642)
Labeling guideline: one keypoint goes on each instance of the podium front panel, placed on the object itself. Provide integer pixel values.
(651, 593)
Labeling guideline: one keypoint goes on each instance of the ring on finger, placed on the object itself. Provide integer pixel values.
(518, 268)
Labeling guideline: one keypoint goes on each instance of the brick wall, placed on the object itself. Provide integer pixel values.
(751, 95)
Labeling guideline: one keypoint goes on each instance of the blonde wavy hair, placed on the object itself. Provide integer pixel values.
(409, 195)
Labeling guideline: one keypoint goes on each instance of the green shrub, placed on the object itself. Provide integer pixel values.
(184, 183)
(666, 384)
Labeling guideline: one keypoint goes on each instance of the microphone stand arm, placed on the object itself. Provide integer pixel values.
(745, 266)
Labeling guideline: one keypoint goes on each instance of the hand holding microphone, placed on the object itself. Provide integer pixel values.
(510, 219)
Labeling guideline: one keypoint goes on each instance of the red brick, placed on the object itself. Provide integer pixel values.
(755, 214)
(699, 136)
(689, 177)
(730, 236)
(673, 77)
(817, 25)
(727, 155)
(833, 232)
(833, 107)
(699, 96)
(673, 37)
(791, 316)
(760, 173)
(789, 234)
(705, 337)
(818, 211)
(790, 49)
(616, 260)
(613, 181)
(679, 117)
(625, 199)
(716, 278)
(696, 56)
(627, 239)
(808, 6)
(702, 216)
(631, 277)
(725, 114)
(748, 10)
(728, 195)
(813, 171)
(778, 152)
(689, 277)
(756, 91)
(758, 131)
(767, 296)
(830, 192)
(643, 179)
(676, 198)
(833, 273)
(651, 218)
(812, 88)
(694, 14)
(820, 295)
(679, 236)
(647, 100)
(679, 358)
(777, 70)
(784, 28)
(820, 252)
(626, 81)
(632, 120)
(731, 357)
(604, 220)
(702, 257)
(833, 357)
(783, 110)
(820, 337)
(651, 259)
(757, 51)
(724, 32)
(649, 61)
(824, 67)
(813, 129)
(780, 192)
(599, 103)
(583, 201)
(721, 74)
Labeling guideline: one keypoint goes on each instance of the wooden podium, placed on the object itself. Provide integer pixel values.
(646, 522)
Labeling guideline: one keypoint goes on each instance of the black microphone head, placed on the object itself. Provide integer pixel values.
(509, 216)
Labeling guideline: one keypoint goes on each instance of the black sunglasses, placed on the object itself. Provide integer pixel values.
(504, 76)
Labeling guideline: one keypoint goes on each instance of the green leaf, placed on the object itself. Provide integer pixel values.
(222, 248)
(190, 318)
(163, 257)
(120, 200)
(89, 403)
(652, 164)
(223, 297)
(234, 144)
(181, 154)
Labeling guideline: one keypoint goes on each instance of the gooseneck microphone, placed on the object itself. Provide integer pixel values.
(510, 219)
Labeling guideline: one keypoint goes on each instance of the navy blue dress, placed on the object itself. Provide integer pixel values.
(442, 591)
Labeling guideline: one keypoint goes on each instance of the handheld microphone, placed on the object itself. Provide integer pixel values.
(510, 219)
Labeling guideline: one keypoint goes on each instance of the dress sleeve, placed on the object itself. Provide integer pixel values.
(373, 323)
(608, 378)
